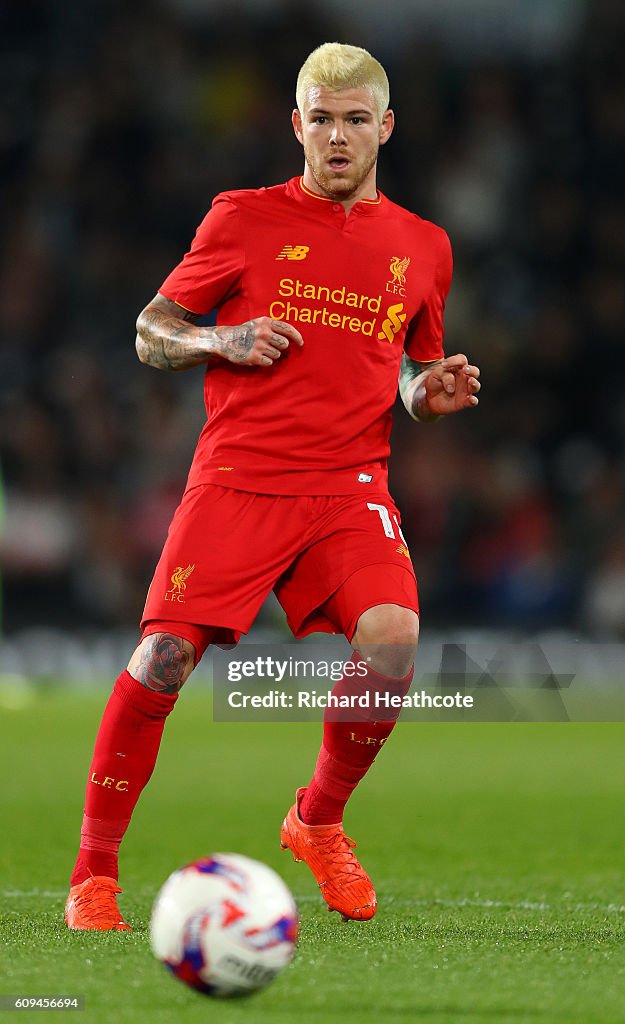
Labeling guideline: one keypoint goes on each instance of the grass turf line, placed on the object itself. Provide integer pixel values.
(496, 851)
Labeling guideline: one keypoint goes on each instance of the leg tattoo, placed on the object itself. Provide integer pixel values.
(162, 664)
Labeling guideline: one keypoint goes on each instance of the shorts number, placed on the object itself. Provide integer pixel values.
(387, 525)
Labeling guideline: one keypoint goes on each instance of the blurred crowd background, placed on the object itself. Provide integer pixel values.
(119, 123)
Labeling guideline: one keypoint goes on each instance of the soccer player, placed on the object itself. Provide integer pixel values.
(320, 285)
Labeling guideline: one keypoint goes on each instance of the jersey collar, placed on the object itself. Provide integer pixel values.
(298, 191)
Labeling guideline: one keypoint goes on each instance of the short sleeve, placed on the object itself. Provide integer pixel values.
(211, 270)
(424, 340)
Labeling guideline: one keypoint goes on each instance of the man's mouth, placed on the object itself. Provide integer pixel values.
(339, 163)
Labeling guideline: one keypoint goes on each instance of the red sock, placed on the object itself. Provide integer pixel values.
(125, 754)
(350, 744)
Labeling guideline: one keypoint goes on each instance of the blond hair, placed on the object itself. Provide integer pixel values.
(340, 66)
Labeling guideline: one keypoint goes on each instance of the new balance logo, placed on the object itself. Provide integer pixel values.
(294, 252)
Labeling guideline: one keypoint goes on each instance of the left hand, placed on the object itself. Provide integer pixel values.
(452, 385)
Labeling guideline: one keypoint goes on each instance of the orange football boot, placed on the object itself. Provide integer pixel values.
(345, 885)
(92, 906)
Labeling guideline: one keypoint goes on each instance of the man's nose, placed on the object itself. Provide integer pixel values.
(337, 136)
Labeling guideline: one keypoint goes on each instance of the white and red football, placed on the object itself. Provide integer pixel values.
(226, 925)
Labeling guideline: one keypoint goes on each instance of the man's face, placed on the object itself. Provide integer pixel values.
(341, 134)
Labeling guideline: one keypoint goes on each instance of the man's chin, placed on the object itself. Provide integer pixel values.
(336, 187)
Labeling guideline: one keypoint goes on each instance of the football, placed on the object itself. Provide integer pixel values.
(226, 925)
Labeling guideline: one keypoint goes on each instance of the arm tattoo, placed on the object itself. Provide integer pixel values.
(408, 371)
(169, 339)
(162, 664)
(412, 392)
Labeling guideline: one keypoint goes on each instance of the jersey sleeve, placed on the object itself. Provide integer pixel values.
(211, 270)
(424, 340)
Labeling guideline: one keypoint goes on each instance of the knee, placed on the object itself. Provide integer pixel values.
(162, 662)
(386, 636)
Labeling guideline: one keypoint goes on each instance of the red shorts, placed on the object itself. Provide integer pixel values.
(328, 559)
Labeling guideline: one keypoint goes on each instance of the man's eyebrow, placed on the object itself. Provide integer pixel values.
(350, 113)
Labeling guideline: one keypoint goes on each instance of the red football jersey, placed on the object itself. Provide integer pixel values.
(360, 289)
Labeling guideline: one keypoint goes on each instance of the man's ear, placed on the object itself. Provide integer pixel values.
(386, 128)
(296, 121)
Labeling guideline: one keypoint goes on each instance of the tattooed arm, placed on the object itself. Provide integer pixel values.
(445, 386)
(412, 390)
(169, 339)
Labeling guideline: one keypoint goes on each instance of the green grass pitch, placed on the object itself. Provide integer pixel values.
(497, 852)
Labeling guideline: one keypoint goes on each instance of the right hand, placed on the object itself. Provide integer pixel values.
(258, 342)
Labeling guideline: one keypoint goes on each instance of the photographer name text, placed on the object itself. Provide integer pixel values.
(278, 699)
